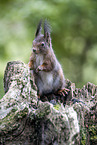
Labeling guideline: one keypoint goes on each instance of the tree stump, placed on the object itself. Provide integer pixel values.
(28, 121)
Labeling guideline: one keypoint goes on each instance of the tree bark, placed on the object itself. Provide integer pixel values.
(26, 120)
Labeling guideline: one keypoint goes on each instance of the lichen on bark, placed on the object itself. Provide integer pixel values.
(24, 119)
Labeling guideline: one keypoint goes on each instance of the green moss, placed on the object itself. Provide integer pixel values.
(93, 132)
(10, 121)
(57, 107)
(83, 134)
(21, 114)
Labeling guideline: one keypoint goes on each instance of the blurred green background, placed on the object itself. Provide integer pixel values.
(74, 34)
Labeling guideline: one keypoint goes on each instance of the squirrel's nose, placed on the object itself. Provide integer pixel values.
(34, 50)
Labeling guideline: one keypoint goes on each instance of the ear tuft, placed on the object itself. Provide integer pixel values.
(38, 31)
(47, 30)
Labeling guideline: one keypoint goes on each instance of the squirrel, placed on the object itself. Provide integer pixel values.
(47, 70)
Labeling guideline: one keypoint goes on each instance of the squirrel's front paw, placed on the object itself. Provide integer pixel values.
(40, 68)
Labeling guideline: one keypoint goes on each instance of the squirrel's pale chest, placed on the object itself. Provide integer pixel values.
(45, 81)
(46, 77)
(39, 60)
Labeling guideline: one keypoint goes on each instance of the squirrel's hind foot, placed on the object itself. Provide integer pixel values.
(63, 92)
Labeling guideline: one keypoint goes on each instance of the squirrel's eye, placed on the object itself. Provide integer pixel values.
(42, 44)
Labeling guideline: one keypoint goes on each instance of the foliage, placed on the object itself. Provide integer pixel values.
(74, 34)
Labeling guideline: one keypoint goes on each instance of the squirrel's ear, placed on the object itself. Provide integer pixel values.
(38, 31)
(47, 32)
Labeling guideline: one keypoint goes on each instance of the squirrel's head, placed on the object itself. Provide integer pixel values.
(42, 43)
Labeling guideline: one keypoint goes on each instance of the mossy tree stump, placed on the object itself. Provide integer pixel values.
(26, 120)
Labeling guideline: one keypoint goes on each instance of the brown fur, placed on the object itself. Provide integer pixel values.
(47, 70)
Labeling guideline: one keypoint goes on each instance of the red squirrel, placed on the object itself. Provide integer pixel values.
(47, 71)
